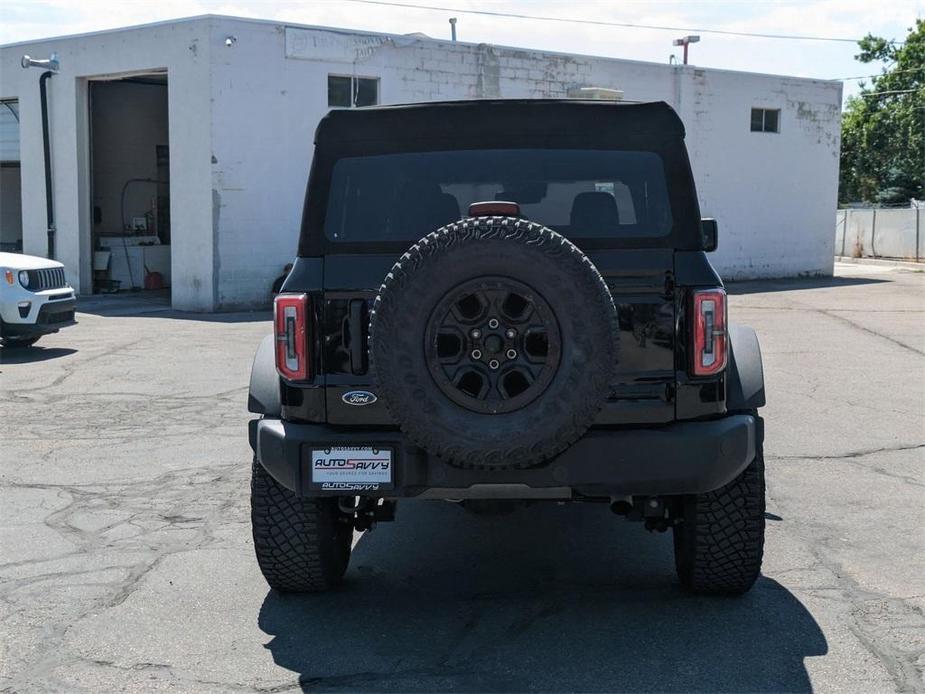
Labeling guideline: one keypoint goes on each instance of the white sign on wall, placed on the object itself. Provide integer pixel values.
(330, 46)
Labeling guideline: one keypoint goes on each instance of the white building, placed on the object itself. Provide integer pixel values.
(217, 115)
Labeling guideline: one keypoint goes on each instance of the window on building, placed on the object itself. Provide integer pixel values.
(765, 120)
(345, 92)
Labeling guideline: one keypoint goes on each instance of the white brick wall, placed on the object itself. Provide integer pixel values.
(251, 111)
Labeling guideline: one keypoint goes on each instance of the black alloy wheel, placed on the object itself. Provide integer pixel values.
(493, 345)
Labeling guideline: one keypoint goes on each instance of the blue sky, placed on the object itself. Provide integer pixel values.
(21, 20)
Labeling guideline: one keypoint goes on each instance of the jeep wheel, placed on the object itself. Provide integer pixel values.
(494, 341)
(302, 544)
(719, 543)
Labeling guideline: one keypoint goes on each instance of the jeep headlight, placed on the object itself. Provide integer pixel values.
(24, 278)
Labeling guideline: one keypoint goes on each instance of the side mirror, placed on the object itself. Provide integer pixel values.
(709, 238)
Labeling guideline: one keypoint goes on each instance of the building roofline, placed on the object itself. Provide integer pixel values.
(116, 30)
(393, 36)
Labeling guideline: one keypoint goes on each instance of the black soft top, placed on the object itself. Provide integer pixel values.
(492, 122)
(501, 124)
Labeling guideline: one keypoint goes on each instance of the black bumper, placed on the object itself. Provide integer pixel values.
(680, 458)
(52, 316)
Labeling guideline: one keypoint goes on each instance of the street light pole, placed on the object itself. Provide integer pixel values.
(685, 41)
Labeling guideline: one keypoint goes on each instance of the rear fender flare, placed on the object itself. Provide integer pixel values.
(263, 396)
(745, 376)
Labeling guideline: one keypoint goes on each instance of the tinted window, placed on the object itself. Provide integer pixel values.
(770, 121)
(339, 91)
(765, 120)
(367, 92)
(583, 194)
(352, 91)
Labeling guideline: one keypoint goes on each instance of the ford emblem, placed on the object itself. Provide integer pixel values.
(359, 397)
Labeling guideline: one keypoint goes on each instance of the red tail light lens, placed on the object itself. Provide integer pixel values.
(291, 327)
(710, 346)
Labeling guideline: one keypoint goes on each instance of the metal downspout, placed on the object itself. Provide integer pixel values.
(49, 200)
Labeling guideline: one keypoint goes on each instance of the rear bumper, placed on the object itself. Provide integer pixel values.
(680, 458)
(51, 317)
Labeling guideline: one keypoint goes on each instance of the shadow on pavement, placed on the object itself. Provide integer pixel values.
(28, 355)
(548, 598)
(230, 317)
(156, 304)
(796, 283)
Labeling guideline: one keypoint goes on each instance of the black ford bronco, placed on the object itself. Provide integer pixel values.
(504, 302)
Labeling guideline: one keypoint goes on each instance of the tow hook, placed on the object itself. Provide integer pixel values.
(365, 512)
(650, 509)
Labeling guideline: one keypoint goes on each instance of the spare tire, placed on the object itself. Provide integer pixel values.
(494, 341)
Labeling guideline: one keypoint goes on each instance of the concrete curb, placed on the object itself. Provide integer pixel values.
(884, 262)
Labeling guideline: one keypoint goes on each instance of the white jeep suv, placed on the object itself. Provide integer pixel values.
(35, 299)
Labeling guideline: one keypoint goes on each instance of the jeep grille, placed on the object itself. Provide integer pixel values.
(50, 278)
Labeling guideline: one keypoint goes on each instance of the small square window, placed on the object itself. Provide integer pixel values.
(765, 120)
(345, 92)
(339, 91)
(366, 92)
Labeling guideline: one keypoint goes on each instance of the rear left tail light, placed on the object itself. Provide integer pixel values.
(291, 327)
(710, 346)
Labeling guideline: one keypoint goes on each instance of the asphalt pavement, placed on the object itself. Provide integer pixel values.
(126, 562)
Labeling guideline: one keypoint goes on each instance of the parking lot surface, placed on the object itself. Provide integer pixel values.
(126, 559)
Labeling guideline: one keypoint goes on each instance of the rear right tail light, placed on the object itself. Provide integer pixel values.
(291, 328)
(709, 332)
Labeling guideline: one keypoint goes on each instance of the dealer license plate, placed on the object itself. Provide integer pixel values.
(351, 468)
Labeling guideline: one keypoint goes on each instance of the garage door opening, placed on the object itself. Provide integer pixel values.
(130, 186)
(10, 179)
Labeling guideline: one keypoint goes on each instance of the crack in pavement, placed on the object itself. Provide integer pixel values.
(870, 331)
(175, 512)
(854, 458)
(900, 663)
(851, 454)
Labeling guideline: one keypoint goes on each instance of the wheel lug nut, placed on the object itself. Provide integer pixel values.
(475, 333)
(511, 354)
(476, 354)
(493, 323)
(511, 333)
(494, 364)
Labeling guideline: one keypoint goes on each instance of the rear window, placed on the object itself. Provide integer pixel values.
(582, 194)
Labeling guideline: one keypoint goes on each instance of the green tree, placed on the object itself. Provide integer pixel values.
(883, 127)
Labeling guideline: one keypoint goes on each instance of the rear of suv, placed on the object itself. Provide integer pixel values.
(500, 302)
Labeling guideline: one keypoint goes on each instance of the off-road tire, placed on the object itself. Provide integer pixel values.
(719, 545)
(555, 270)
(302, 544)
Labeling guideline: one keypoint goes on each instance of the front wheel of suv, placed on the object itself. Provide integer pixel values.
(302, 544)
(719, 542)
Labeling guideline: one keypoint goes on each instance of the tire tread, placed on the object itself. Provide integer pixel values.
(720, 544)
(298, 542)
(474, 454)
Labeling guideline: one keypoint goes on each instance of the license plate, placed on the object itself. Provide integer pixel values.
(351, 468)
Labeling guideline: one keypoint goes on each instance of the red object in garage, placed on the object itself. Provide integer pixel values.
(154, 280)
